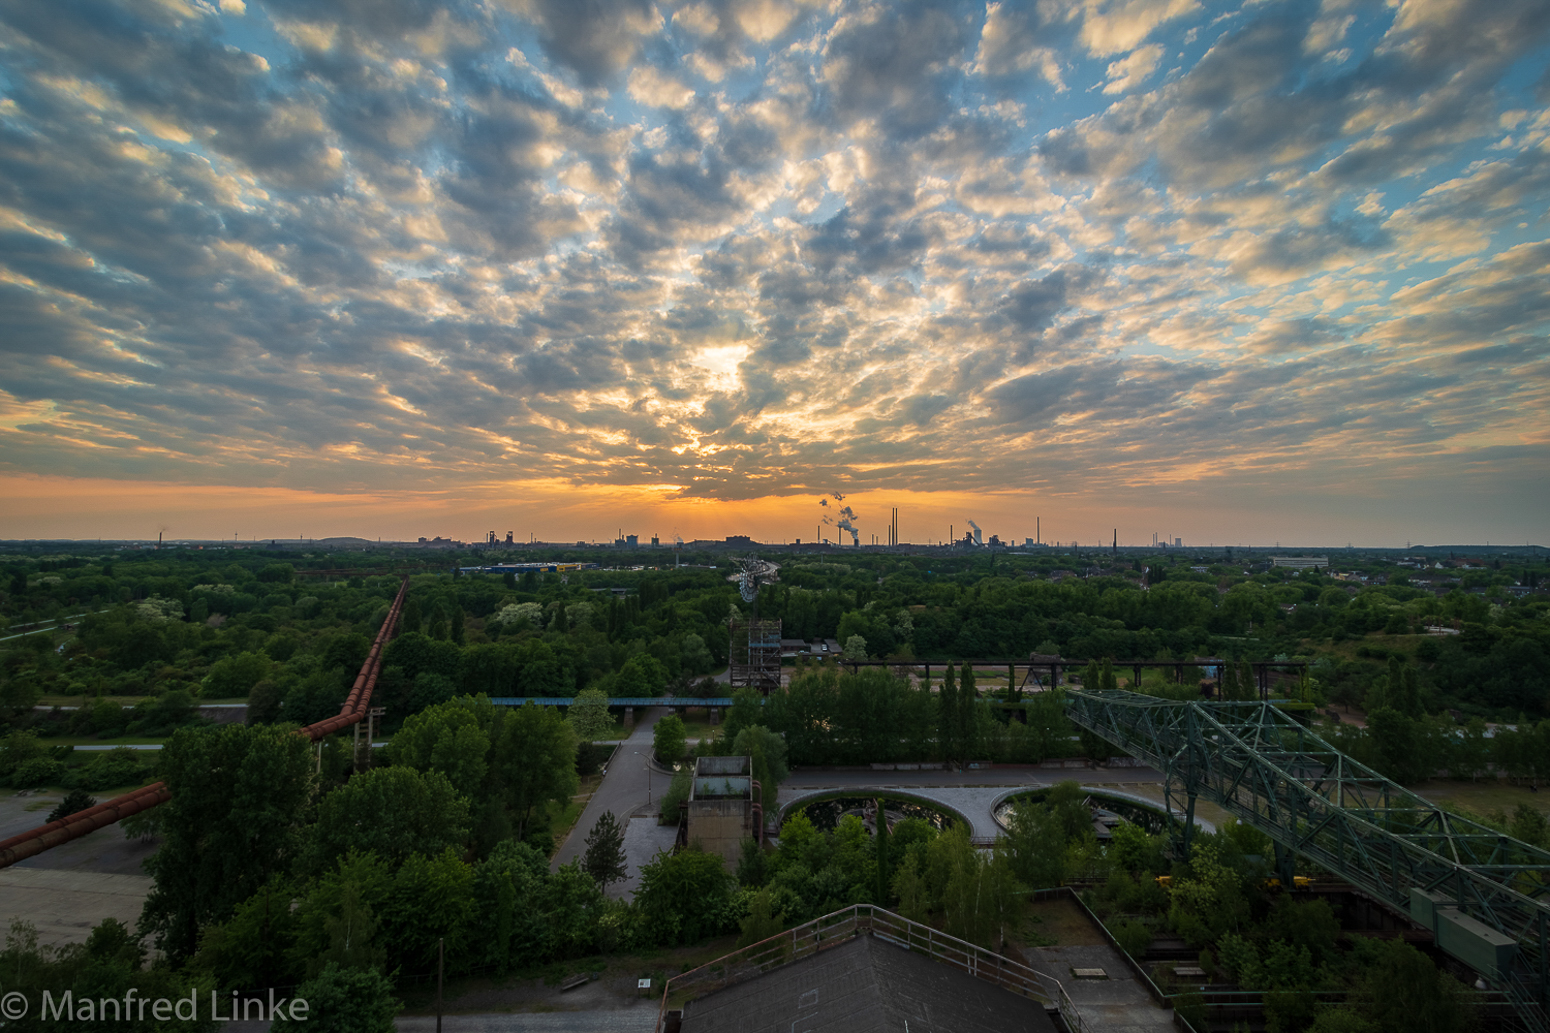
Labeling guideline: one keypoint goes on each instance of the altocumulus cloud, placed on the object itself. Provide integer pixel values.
(757, 247)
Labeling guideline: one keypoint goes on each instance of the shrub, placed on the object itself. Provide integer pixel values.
(75, 801)
(120, 767)
(1133, 937)
(36, 773)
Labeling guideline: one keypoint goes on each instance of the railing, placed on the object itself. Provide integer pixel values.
(833, 930)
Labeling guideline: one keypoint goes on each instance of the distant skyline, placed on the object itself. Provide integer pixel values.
(1231, 272)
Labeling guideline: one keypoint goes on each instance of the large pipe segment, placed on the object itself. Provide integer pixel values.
(74, 826)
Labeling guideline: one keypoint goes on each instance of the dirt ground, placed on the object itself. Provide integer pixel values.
(1059, 923)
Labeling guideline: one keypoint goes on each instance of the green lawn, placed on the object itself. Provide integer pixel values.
(57, 700)
(1483, 796)
(91, 740)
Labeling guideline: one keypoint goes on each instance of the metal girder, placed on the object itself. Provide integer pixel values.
(1269, 771)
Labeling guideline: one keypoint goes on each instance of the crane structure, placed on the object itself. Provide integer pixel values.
(1481, 892)
(754, 644)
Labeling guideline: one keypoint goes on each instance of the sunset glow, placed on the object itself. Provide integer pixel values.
(1232, 272)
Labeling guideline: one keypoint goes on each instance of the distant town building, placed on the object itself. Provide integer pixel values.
(740, 539)
(1300, 562)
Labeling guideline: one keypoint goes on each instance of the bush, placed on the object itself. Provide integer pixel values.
(74, 802)
(343, 1000)
(36, 773)
(1133, 937)
(684, 897)
(676, 796)
(590, 756)
(120, 767)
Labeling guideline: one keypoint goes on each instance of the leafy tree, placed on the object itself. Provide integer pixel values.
(251, 948)
(604, 860)
(760, 923)
(536, 761)
(238, 793)
(393, 812)
(589, 716)
(642, 675)
(1401, 991)
(430, 689)
(264, 702)
(968, 707)
(316, 697)
(667, 739)
(447, 738)
(684, 897)
(351, 934)
(695, 655)
(947, 719)
(343, 1000)
(1036, 845)
(855, 648)
(234, 676)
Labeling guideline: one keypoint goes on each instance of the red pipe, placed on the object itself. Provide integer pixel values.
(69, 819)
(77, 825)
(74, 826)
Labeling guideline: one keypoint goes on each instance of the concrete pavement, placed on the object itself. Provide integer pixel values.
(65, 905)
(624, 791)
(974, 794)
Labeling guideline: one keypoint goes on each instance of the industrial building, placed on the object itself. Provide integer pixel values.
(725, 807)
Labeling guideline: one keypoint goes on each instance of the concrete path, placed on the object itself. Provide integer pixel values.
(639, 1019)
(65, 905)
(976, 794)
(624, 790)
(1117, 1004)
(643, 840)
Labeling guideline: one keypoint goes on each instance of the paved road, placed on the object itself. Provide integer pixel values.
(624, 789)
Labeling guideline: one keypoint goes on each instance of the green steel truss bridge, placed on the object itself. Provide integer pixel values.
(1485, 895)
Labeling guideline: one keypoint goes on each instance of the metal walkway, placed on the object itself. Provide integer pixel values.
(1483, 893)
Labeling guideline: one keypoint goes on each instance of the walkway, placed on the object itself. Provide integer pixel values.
(976, 794)
(1117, 1003)
(625, 790)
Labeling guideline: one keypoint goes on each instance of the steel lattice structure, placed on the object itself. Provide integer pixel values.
(1266, 769)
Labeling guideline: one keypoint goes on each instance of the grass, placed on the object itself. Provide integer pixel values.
(567, 818)
(54, 699)
(1483, 796)
(92, 740)
(1060, 922)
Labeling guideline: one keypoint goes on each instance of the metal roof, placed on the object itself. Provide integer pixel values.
(863, 986)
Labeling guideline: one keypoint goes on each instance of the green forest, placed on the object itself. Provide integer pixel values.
(281, 866)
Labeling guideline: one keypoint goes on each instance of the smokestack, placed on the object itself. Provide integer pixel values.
(1116, 541)
(1038, 530)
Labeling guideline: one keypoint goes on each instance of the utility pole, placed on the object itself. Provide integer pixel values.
(441, 957)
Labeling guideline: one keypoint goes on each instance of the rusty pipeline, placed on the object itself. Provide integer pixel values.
(74, 826)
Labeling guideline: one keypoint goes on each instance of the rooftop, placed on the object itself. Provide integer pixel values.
(860, 986)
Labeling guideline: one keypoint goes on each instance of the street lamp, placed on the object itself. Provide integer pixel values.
(647, 764)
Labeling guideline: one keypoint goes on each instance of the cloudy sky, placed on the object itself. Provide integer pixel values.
(1231, 271)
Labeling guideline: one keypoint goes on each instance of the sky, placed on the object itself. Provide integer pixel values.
(1233, 272)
